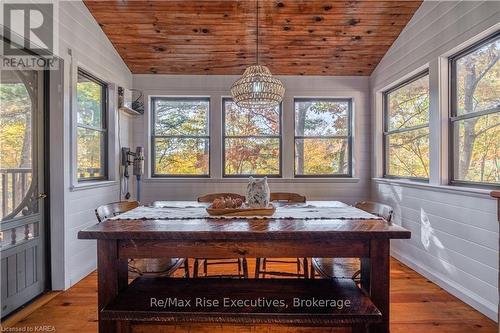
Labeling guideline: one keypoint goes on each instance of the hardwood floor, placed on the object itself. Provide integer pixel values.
(417, 305)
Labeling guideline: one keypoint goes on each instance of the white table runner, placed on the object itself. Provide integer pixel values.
(286, 212)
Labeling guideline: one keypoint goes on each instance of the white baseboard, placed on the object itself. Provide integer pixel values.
(78, 275)
(477, 302)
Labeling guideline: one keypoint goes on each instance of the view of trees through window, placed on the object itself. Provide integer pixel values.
(18, 108)
(322, 137)
(180, 136)
(91, 128)
(476, 114)
(252, 140)
(15, 122)
(406, 110)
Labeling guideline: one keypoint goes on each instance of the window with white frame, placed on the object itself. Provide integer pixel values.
(251, 141)
(323, 137)
(180, 138)
(475, 114)
(91, 128)
(406, 129)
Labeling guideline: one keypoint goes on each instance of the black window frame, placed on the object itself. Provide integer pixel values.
(153, 135)
(349, 136)
(455, 118)
(224, 136)
(387, 132)
(103, 129)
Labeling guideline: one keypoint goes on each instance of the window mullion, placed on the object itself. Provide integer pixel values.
(252, 137)
(92, 128)
(181, 136)
(322, 137)
(475, 114)
(406, 129)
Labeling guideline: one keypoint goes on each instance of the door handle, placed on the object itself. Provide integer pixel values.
(41, 196)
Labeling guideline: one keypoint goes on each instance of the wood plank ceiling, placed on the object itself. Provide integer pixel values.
(297, 37)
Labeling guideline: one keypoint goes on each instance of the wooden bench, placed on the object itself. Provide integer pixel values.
(286, 302)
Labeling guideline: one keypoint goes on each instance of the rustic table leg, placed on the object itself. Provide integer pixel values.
(306, 268)
(245, 267)
(365, 274)
(379, 281)
(111, 278)
(195, 268)
(257, 267)
(186, 267)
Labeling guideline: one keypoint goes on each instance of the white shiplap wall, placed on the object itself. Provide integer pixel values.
(296, 86)
(454, 231)
(73, 259)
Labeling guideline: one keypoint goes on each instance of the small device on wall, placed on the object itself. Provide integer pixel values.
(130, 101)
(136, 159)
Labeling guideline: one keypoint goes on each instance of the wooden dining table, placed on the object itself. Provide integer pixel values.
(121, 239)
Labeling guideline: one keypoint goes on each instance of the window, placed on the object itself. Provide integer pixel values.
(406, 133)
(91, 131)
(252, 141)
(475, 114)
(180, 138)
(323, 142)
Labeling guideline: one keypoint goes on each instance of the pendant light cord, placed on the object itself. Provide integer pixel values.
(257, 24)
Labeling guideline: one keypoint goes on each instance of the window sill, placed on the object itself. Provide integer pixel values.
(92, 184)
(245, 180)
(470, 191)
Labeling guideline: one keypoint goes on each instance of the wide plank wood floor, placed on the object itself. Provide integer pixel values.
(417, 305)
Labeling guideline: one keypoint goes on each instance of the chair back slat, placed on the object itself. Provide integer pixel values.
(375, 208)
(113, 209)
(287, 197)
(212, 196)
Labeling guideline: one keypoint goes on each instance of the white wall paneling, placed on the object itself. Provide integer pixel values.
(454, 230)
(81, 43)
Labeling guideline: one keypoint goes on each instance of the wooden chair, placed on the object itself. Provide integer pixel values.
(241, 263)
(261, 263)
(349, 268)
(149, 267)
(375, 208)
(104, 212)
(287, 197)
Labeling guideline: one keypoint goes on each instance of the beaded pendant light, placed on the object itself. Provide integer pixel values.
(257, 88)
